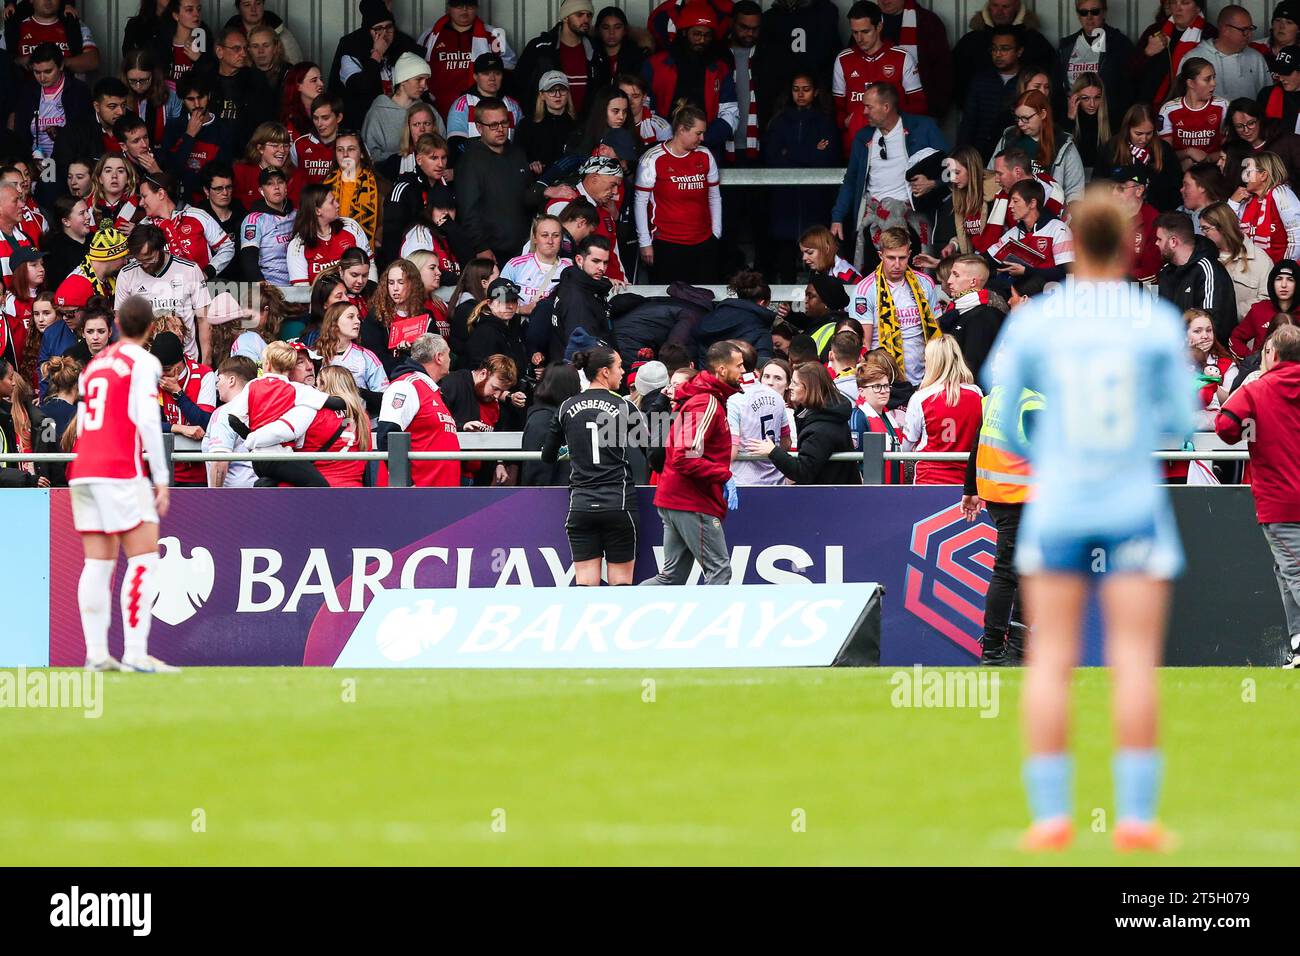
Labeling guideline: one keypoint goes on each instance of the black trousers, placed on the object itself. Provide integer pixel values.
(696, 264)
(1002, 603)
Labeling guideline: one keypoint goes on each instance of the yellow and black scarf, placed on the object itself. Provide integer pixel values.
(891, 337)
(364, 207)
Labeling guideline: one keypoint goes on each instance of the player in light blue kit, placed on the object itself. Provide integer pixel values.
(1110, 361)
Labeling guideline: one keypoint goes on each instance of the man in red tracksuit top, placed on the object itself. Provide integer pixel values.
(1266, 412)
(696, 489)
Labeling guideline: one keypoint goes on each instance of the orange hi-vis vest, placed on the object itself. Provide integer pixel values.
(1001, 475)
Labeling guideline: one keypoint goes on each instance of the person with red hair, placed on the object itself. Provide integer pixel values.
(302, 84)
(1053, 152)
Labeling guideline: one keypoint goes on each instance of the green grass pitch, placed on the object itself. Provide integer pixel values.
(274, 766)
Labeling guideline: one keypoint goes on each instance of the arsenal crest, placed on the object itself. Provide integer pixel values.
(889, 70)
(860, 306)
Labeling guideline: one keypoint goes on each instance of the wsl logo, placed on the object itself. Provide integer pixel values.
(948, 575)
(184, 584)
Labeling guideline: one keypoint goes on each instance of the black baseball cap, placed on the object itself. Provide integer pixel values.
(1287, 10)
(503, 290)
(1130, 174)
(489, 62)
(1288, 61)
(23, 254)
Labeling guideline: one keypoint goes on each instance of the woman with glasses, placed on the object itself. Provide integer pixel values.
(1249, 125)
(268, 148)
(1244, 261)
(1053, 151)
(1192, 121)
(147, 94)
(543, 134)
(876, 374)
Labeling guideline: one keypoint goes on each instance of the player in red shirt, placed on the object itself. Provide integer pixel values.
(872, 60)
(1192, 122)
(191, 233)
(413, 403)
(113, 505)
(679, 204)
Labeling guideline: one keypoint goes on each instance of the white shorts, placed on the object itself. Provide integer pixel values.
(112, 507)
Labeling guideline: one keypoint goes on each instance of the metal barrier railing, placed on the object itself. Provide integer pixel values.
(399, 457)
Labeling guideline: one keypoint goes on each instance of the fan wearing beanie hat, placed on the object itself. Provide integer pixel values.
(666, 18)
(565, 48)
(188, 393)
(386, 118)
(97, 274)
(694, 70)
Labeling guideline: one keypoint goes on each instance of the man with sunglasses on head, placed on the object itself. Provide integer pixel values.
(876, 193)
(1097, 47)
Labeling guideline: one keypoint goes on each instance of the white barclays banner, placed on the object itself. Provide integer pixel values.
(803, 625)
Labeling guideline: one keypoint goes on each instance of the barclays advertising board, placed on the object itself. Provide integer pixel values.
(803, 625)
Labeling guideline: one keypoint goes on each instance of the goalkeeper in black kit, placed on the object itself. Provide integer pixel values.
(605, 437)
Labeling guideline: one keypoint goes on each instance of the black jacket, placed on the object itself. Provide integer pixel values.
(543, 142)
(975, 331)
(62, 255)
(986, 111)
(1202, 284)
(799, 35)
(491, 336)
(81, 138)
(1113, 69)
(650, 323)
(580, 302)
(43, 439)
(76, 102)
(735, 319)
(244, 100)
(405, 201)
(972, 52)
(537, 473)
(790, 140)
(822, 432)
(494, 197)
(542, 54)
(362, 87)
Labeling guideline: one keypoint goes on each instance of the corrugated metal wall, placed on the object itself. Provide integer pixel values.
(318, 24)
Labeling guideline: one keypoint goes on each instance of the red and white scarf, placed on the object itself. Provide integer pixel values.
(1190, 38)
(907, 35)
(751, 123)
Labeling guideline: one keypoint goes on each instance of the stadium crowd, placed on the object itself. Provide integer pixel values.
(219, 166)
